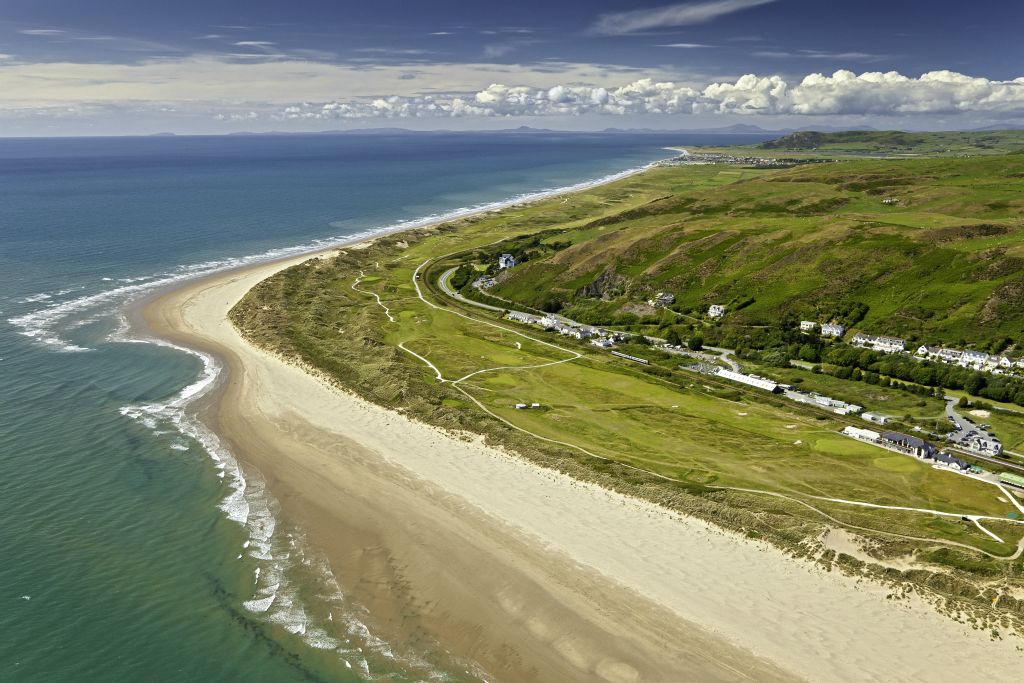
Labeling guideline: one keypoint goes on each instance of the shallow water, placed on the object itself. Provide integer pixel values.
(132, 546)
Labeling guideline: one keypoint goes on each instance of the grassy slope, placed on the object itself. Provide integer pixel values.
(676, 426)
(947, 263)
(891, 143)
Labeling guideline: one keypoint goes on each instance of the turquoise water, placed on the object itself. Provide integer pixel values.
(131, 546)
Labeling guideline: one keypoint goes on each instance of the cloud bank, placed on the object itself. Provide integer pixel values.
(842, 93)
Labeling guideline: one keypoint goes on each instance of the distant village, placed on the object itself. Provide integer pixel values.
(700, 158)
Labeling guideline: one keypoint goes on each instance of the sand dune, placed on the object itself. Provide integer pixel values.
(532, 574)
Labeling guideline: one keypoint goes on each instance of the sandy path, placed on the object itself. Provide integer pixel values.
(532, 574)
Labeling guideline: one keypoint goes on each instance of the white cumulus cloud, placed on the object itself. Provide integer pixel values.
(842, 93)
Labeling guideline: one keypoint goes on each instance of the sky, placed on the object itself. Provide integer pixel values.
(108, 67)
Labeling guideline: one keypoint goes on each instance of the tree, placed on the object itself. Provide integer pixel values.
(673, 338)
(809, 353)
(974, 384)
(695, 342)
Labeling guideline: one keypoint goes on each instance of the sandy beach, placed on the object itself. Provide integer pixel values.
(529, 573)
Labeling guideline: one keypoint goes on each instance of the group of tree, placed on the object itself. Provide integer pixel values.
(925, 373)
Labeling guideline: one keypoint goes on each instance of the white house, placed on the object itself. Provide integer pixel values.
(973, 359)
(603, 342)
(716, 311)
(876, 418)
(506, 261)
(808, 325)
(832, 330)
(890, 344)
(861, 339)
(950, 355)
(862, 434)
(662, 299)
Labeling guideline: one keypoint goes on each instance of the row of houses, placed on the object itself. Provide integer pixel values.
(969, 358)
(598, 337)
(827, 329)
(883, 344)
(906, 444)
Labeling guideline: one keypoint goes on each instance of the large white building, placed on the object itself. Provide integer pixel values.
(750, 380)
(832, 330)
(808, 325)
(716, 310)
(506, 261)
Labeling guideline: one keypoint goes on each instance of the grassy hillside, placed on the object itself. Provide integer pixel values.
(895, 142)
(945, 263)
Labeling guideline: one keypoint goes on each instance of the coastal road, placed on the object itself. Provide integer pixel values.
(447, 289)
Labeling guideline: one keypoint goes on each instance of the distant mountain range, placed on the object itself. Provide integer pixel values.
(733, 129)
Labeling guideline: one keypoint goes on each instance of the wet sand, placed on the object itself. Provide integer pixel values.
(529, 573)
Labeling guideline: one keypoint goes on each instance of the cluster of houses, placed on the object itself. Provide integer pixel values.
(702, 158)
(883, 344)
(968, 358)
(908, 445)
(827, 329)
(983, 444)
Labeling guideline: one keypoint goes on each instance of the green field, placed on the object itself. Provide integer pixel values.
(684, 440)
(888, 143)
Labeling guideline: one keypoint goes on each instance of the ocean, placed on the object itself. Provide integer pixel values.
(132, 545)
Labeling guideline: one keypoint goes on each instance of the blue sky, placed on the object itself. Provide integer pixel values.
(108, 66)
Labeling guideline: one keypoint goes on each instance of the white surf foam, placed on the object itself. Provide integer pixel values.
(46, 325)
(247, 502)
